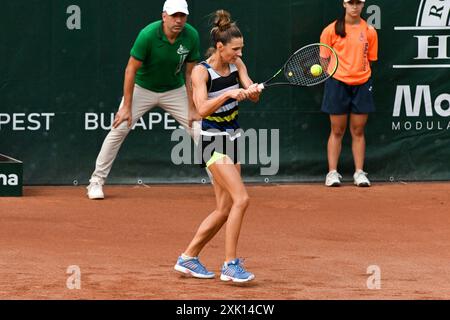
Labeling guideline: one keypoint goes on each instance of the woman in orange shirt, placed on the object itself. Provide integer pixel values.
(348, 95)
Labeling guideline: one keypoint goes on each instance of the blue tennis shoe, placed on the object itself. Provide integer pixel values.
(194, 268)
(235, 271)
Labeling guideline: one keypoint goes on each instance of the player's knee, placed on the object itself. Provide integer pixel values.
(338, 133)
(357, 132)
(242, 201)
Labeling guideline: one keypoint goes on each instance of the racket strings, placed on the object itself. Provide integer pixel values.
(298, 68)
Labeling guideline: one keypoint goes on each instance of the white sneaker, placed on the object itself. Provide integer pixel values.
(333, 179)
(95, 190)
(360, 179)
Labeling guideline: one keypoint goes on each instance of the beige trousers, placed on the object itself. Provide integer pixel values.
(174, 102)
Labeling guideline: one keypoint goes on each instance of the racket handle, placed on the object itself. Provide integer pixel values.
(261, 86)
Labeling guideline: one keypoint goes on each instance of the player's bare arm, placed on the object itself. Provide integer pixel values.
(252, 88)
(193, 114)
(207, 107)
(124, 113)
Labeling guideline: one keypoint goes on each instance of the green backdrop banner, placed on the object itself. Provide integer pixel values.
(62, 68)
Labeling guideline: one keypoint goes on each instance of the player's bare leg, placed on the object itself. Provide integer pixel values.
(213, 223)
(338, 127)
(228, 175)
(357, 125)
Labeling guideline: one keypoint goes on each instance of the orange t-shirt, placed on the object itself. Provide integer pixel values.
(355, 51)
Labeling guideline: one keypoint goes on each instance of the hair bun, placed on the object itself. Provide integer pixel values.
(224, 30)
(222, 20)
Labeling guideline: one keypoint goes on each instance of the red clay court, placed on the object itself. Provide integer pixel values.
(301, 241)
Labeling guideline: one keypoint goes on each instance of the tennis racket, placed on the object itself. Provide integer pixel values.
(308, 66)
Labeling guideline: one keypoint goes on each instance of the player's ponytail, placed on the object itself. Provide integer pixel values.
(340, 26)
(224, 30)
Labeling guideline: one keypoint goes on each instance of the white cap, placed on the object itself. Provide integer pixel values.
(173, 6)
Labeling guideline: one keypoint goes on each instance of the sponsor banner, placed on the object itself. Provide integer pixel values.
(433, 13)
(57, 108)
(11, 172)
(423, 104)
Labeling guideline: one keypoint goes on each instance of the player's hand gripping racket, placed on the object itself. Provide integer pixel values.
(308, 66)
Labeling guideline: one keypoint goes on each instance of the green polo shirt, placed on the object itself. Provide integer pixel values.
(162, 62)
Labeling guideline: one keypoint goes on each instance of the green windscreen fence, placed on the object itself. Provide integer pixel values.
(62, 69)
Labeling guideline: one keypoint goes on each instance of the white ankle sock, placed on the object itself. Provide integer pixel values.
(186, 257)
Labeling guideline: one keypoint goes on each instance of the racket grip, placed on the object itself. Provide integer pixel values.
(261, 86)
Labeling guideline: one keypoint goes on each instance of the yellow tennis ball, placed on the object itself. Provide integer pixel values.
(290, 74)
(316, 70)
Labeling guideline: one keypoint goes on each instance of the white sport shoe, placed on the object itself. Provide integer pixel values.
(95, 190)
(333, 179)
(360, 179)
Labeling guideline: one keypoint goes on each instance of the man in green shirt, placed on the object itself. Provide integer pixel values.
(153, 77)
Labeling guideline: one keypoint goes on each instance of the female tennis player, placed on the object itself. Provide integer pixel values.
(216, 93)
(348, 94)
